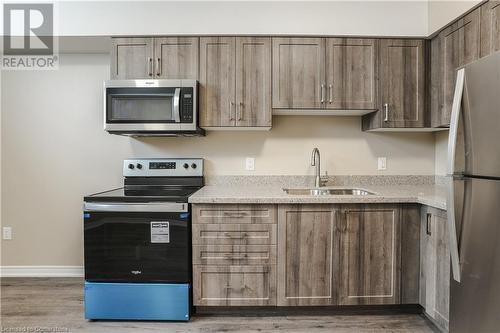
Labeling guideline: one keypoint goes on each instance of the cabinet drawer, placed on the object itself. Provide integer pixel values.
(234, 254)
(234, 234)
(234, 285)
(234, 214)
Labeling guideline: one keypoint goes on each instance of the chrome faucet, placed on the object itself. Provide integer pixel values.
(316, 161)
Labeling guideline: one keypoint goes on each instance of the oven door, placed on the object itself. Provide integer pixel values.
(142, 108)
(128, 242)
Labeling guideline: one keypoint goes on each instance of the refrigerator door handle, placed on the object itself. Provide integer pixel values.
(455, 116)
(452, 231)
(452, 144)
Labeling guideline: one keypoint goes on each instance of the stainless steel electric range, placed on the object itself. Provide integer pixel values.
(137, 242)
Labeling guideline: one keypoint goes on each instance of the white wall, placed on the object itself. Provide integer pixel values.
(54, 151)
(440, 13)
(391, 18)
(441, 153)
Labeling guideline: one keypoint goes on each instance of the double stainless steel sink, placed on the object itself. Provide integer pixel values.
(327, 191)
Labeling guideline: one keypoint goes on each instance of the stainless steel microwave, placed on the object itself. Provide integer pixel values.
(151, 107)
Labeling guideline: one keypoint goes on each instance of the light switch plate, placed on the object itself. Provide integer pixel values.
(250, 164)
(382, 163)
(7, 233)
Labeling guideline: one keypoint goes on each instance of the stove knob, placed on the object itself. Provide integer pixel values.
(139, 166)
(186, 165)
(131, 166)
(193, 165)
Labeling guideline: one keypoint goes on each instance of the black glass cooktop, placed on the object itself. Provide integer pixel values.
(138, 193)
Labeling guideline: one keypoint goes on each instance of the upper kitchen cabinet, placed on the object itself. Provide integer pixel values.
(235, 82)
(351, 70)
(459, 45)
(161, 58)
(490, 28)
(324, 73)
(299, 73)
(253, 82)
(401, 86)
(217, 81)
(132, 58)
(176, 58)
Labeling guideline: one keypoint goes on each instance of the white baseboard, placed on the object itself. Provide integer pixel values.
(41, 271)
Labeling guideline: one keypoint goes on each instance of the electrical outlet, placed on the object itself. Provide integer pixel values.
(7, 233)
(382, 163)
(250, 164)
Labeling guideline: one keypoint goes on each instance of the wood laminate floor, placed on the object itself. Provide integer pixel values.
(56, 305)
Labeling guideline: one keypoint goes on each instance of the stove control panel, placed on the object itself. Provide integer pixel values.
(163, 167)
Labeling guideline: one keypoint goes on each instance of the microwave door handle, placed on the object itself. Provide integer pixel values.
(450, 205)
(140, 95)
(177, 97)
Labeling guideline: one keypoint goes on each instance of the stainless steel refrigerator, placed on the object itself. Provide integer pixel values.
(474, 198)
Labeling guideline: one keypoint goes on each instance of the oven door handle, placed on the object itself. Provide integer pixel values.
(177, 97)
(136, 207)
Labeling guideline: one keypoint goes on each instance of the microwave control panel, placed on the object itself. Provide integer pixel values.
(187, 105)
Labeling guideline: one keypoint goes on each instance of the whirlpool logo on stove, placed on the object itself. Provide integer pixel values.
(136, 272)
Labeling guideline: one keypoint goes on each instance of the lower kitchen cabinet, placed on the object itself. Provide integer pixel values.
(234, 285)
(348, 254)
(370, 255)
(234, 255)
(309, 255)
(306, 248)
(435, 266)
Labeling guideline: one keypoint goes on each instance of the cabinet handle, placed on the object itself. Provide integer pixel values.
(240, 111)
(322, 93)
(428, 226)
(158, 67)
(242, 236)
(386, 112)
(150, 66)
(231, 256)
(231, 103)
(235, 214)
(330, 93)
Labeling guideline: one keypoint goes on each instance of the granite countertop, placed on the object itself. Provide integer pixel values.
(426, 193)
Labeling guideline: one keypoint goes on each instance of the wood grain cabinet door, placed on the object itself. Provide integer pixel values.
(435, 82)
(176, 57)
(234, 213)
(369, 255)
(234, 234)
(306, 249)
(351, 69)
(217, 81)
(234, 255)
(131, 58)
(253, 81)
(460, 46)
(402, 86)
(234, 285)
(490, 27)
(435, 266)
(299, 73)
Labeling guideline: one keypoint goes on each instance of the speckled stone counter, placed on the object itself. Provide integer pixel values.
(269, 190)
